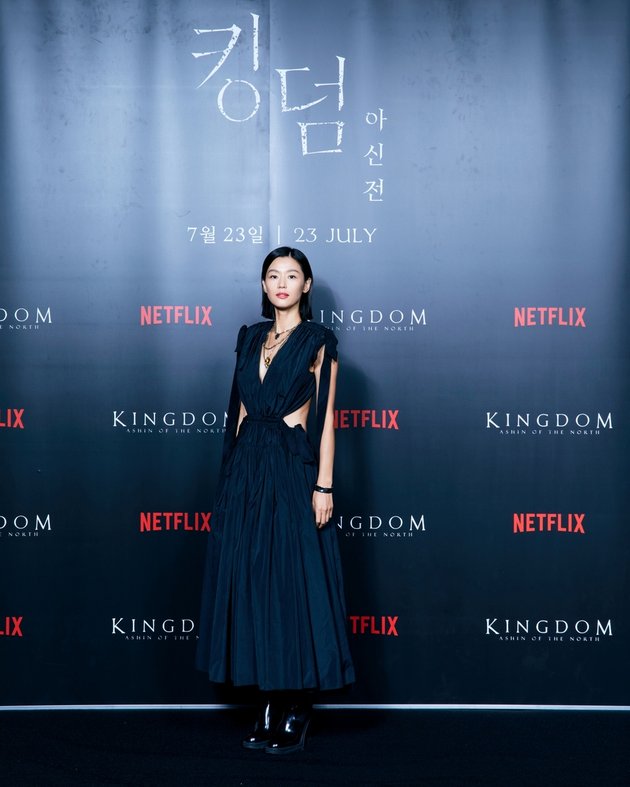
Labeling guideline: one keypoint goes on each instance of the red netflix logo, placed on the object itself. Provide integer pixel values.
(156, 521)
(174, 315)
(548, 523)
(384, 626)
(11, 418)
(12, 627)
(366, 419)
(529, 316)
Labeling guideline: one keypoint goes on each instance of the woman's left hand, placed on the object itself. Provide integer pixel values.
(322, 507)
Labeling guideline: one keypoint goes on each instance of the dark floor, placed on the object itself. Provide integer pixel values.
(346, 747)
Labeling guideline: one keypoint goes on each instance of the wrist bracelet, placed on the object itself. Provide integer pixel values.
(326, 490)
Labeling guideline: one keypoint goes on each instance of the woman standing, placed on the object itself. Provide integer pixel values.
(273, 613)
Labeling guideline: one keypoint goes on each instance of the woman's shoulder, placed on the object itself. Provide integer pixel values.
(248, 332)
(319, 330)
(322, 336)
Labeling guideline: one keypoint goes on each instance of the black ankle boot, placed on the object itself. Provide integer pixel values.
(291, 732)
(269, 716)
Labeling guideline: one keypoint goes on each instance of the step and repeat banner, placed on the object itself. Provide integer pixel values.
(457, 173)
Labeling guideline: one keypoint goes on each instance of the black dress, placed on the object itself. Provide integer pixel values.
(273, 612)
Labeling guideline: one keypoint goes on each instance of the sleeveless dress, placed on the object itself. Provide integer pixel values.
(273, 611)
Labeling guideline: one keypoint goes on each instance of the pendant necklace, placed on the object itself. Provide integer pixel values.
(267, 359)
(278, 334)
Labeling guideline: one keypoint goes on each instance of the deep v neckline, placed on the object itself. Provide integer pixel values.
(261, 356)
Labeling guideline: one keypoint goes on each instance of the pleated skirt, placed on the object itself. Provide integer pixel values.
(273, 611)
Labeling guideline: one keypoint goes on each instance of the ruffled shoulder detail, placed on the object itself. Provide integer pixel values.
(330, 343)
(255, 329)
(322, 336)
(247, 336)
(240, 339)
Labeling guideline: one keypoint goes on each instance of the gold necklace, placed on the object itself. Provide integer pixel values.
(279, 333)
(267, 359)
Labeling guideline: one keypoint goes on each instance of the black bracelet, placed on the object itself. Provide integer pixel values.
(326, 490)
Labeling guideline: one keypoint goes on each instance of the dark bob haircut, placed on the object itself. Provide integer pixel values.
(305, 265)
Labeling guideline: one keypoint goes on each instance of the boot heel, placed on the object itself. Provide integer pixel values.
(291, 733)
(269, 717)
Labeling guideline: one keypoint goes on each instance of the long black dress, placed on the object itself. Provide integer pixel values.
(273, 612)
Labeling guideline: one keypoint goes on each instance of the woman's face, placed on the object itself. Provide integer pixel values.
(284, 283)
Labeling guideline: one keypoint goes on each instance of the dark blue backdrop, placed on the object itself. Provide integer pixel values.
(457, 173)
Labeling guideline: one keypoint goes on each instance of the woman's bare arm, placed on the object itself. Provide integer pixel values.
(323, 502)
